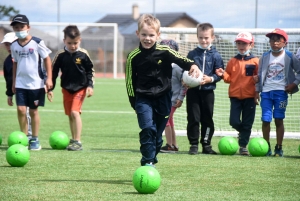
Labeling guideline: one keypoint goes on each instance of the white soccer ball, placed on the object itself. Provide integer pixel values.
(191, 81)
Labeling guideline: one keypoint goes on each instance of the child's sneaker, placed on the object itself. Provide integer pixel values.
(193, 150)
(34, 145)
(176, 148)
(243, 151)
(278, 151)
(269, 153)
(167, 149)
(70, 143)
(207, 149)
(75, 146)
(150, 165)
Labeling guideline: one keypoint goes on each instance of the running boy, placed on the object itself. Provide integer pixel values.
(28, 76)
(77, 74)
(178, 94)
(8, 75)
(200, 100)
(239, 73)
(279, 75)
(148, 83)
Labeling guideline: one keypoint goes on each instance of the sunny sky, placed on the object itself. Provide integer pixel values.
(221, 13)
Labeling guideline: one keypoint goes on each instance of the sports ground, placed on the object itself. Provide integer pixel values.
(104, 169)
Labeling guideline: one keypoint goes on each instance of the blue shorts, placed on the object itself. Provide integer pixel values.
(273, 102)
(31, 98)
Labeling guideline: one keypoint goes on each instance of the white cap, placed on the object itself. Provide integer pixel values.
(9, 37)
(245, 37)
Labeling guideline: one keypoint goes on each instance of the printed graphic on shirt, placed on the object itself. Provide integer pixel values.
(78, 61)
(275, 72)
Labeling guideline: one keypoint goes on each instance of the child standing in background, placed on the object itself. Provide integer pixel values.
(200, 100)
(8, 75)
(148, 83)
(28, 76)
(239, 73)
(278, 75)
(178, 94)
(77, 74)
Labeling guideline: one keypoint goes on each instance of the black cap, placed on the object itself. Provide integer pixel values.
(19, 19)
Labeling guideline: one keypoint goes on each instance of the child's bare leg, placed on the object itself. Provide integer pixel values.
(76, 125)
(21, 110)
(266, 130)
(35, 121)
(173, 136)
(168, 134)
(279, 130)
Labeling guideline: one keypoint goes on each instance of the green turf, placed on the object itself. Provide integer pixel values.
(104, 169)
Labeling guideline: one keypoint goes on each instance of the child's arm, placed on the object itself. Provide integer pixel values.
(47, 62)
(13, 88)
(296, 69)
(89, 69)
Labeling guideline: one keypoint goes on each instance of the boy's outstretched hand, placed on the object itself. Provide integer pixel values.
(89, 91)
(194, 71)
(219, 72)
(50, 96)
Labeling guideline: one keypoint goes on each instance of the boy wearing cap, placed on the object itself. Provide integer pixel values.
(239, 73)
(278, 76)
(8, 74)
(28, 77)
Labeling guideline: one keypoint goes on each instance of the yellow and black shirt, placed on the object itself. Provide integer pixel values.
(77, 70)
(149, 71)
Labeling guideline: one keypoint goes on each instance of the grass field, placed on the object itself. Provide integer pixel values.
(104, 169)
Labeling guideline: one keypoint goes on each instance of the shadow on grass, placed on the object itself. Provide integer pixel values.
(115, 150)
(124, 182)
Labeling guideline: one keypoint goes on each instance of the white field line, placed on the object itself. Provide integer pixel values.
(85, 111)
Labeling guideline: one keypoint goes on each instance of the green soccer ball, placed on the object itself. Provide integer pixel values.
(17, 155)
(146, 180)
(228, 145)
(17, 137)
(258, 146)
(58, 140)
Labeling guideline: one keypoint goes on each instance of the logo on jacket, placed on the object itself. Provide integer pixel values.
(159, 62)
(78, 61)
(31, 50)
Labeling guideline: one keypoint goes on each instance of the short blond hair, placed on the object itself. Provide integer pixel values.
(150, 21)
(204, 27)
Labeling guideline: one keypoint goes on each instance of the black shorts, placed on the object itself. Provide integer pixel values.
(31, 98)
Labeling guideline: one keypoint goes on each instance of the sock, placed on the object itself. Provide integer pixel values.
(269, 145)
(34, 138)
(279, 146)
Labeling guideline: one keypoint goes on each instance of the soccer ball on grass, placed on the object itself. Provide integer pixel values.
(228, 145)
(58, 140)
(146, 179)
(17, 155)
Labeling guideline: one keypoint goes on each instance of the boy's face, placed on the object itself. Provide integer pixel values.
(148, 36)
(20, 27)
(277, 42)
(72, 44)
(7, 46)
(243, 46)
(205, 38)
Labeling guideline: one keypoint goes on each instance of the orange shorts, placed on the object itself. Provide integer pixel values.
(73, 102)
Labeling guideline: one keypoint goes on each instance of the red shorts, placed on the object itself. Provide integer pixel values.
(73, 102)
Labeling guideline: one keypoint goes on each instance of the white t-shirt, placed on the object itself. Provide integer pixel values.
(275, 78)
(29, 74)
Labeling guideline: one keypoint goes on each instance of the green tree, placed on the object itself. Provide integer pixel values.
(7, 11)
